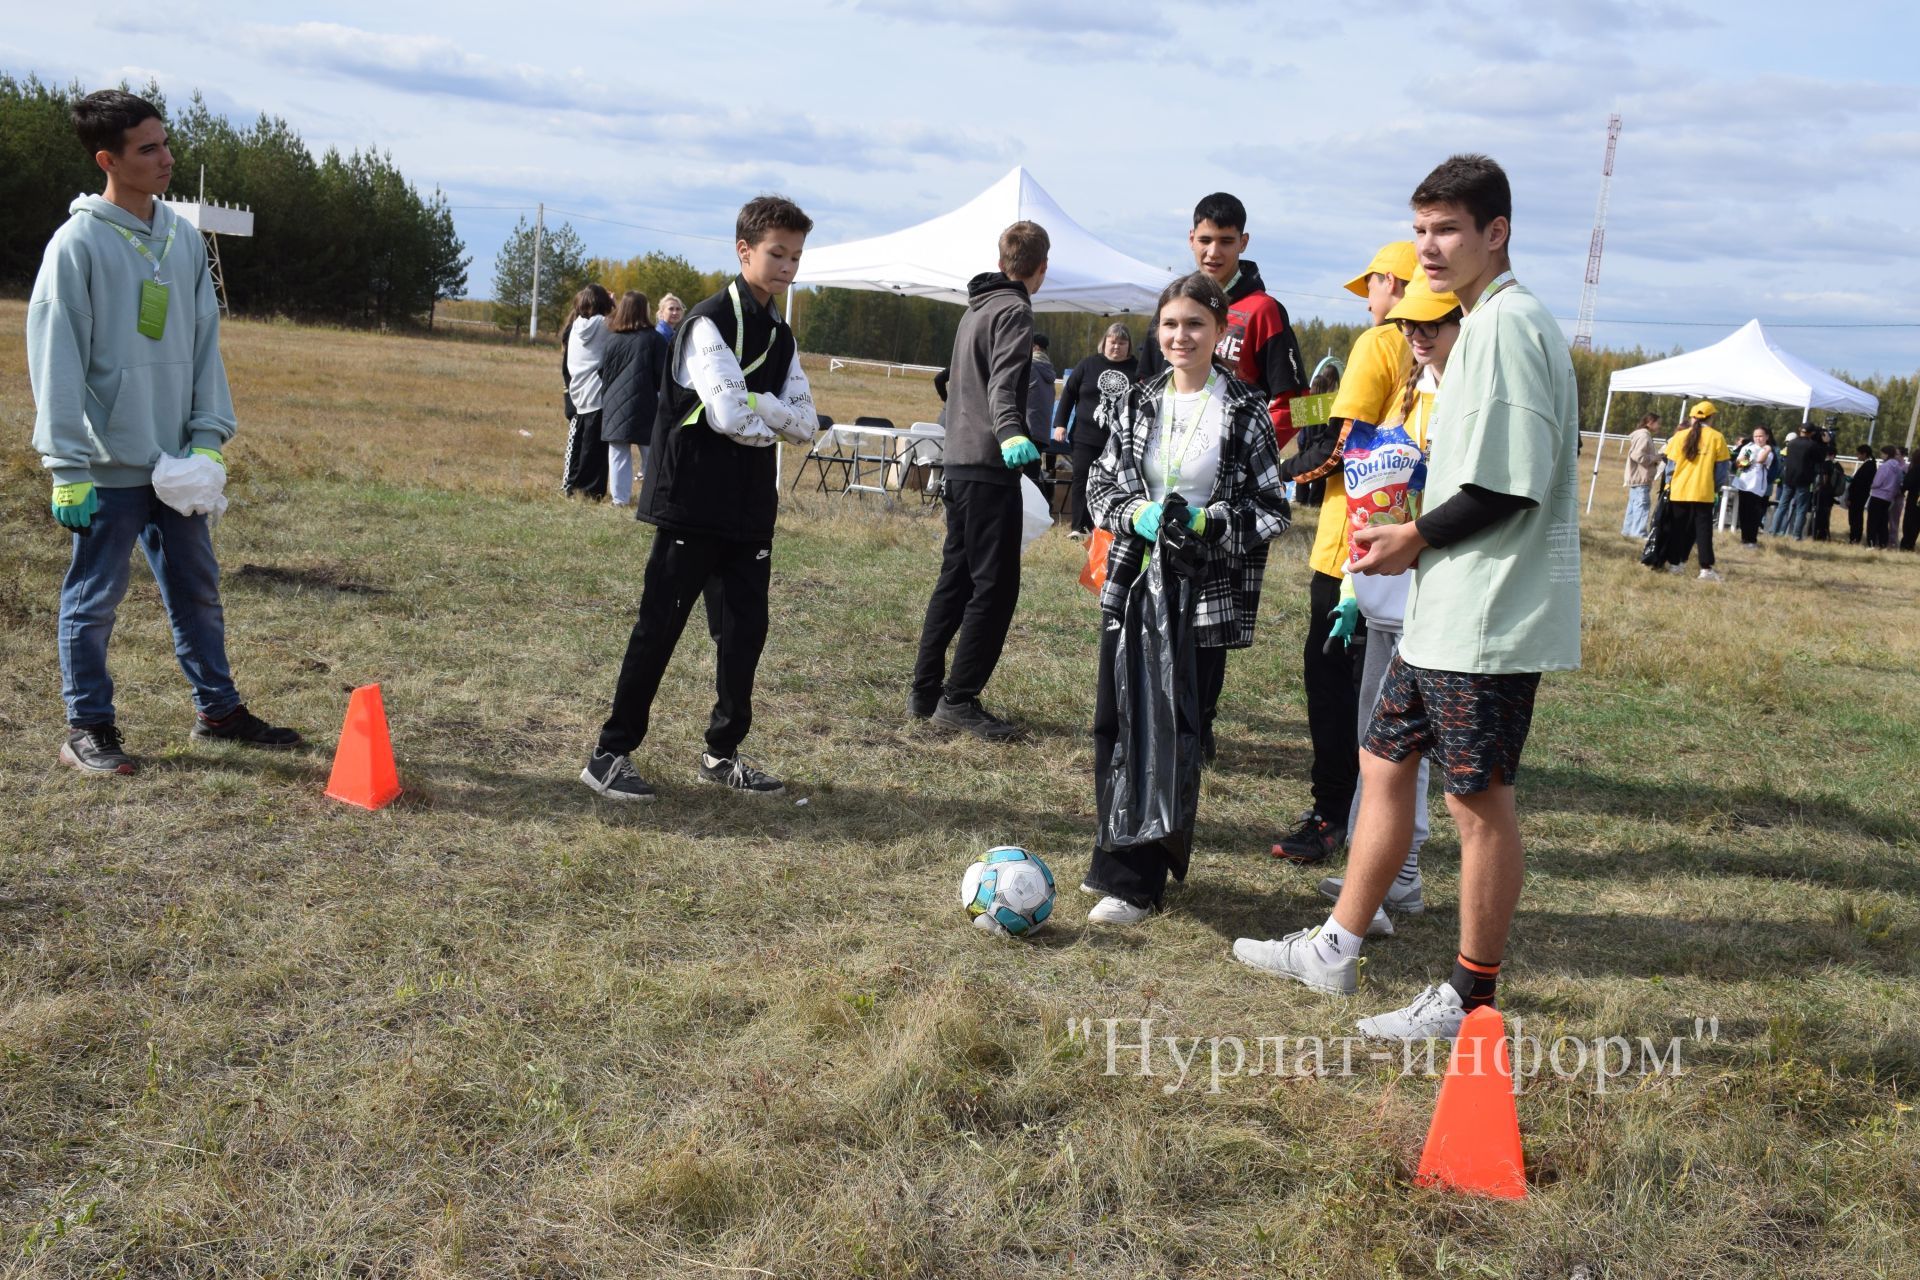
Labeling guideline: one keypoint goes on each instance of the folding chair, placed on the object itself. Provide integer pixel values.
(823, 459)
(864, 454)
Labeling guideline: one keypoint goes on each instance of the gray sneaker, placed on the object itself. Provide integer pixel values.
(971, 717)
(1435, 1014)
(1408, 901)
(1294, 957)
(741, 774)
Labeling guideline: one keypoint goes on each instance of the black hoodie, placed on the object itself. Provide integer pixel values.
(987, 379)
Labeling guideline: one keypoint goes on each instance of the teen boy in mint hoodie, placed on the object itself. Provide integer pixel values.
(123, 349)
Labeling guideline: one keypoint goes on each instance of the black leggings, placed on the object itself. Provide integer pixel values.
(1688, 523)
(1752, 507)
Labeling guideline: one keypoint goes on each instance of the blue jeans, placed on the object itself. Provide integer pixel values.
(180, 552)
(1790, 516)
(1635, 525)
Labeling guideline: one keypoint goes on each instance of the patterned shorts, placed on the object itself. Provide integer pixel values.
(1471, 725)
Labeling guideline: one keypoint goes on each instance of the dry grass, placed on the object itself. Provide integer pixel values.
(501, 1029)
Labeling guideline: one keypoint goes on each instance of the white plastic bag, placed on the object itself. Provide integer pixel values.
(193, 485)
(1035, 516)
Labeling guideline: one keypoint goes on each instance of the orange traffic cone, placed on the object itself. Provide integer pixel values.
(363, 771)
(1474, 1141)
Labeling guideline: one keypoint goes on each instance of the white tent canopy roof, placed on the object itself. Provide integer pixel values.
(936, 258)
(1746, 368)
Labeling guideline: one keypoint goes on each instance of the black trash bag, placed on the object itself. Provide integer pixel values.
(1152, 788)
(1653, 552)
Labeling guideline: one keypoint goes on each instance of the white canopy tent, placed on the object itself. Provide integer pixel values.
(936, 258)
(1743, 368)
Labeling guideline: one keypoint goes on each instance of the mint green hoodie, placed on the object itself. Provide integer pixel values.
(108, 401)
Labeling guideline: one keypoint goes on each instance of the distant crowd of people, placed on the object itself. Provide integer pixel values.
(1799, 482)
(612, 357)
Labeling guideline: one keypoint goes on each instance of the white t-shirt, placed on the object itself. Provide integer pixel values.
(1197, 444)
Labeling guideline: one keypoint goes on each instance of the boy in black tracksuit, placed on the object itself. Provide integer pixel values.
(987, 445)
(735, 389)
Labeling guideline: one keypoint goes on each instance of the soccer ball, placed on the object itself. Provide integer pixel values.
(1008, 891)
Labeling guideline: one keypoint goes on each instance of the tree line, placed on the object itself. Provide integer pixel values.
(339, 238)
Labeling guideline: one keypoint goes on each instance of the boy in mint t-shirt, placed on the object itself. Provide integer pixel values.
(1495, 601)
(123, 350)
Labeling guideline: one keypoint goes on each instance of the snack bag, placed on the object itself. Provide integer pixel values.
(1385, 472)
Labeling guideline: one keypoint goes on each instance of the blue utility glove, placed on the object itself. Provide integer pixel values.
(1146, 522)
(1018, 452)
(1346, 620)
(215, 454)
(74, 504)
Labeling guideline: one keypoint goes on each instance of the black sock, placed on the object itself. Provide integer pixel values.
(1474, 981)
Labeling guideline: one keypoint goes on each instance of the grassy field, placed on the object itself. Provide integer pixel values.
(502, 1029)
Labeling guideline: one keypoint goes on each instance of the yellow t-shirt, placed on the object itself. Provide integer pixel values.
(1693, 480)
(1370, 390)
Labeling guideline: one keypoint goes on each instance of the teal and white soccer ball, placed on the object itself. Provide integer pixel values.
(1008, 891)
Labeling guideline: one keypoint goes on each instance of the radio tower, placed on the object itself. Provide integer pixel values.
(1583, 328)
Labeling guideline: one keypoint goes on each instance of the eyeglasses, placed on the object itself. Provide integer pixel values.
(1427, 329)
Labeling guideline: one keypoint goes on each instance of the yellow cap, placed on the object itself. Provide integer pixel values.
(1421, 304)
(1397, 260)
(1705, 409)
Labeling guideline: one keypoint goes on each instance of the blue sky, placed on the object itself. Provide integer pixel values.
(1770, 164)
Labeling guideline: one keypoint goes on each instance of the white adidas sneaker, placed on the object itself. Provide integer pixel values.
(1435, 1014)
(1294, 957)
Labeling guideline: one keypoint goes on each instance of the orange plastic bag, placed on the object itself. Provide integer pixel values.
(1093, 575)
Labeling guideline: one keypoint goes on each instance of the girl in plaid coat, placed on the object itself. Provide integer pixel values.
(1197, 431)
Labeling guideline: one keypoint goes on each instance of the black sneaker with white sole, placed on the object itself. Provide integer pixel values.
(96, 748)
(249, 730)
(741, 774)
(613, 777)
(971, 717)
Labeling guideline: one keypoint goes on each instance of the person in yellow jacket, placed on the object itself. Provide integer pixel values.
(1376, 371)
(1699, 458)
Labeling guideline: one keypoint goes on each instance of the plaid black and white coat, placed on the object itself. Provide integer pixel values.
(1245, 511)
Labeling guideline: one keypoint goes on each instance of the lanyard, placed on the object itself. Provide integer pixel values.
(1171, 460)
(1504, 280)
(740, 333)
(145, 252)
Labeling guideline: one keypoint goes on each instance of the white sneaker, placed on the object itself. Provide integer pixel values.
(1435, 1014)
(1087, 888)
(1676, 568)
(1117, 911)
(1294, 957)
(1708, 575)
(1408, 901)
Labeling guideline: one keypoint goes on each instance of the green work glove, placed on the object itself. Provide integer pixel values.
(1018, 452)
(74, 504)
(1197, 520)
(1146, 521)
(1346, 620)
(215, 454)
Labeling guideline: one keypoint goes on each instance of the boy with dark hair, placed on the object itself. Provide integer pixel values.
(1495, 601)
(123, 351)
(735, 388)
(1259, 346)
(988, 444)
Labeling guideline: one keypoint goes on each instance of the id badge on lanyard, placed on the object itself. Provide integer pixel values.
(153, 309)
(152, 319)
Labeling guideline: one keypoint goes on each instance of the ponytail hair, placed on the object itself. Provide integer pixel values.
(1690, 445)
(1409, 392)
